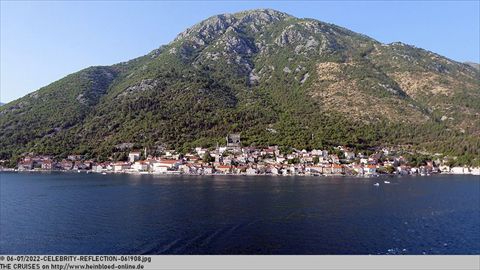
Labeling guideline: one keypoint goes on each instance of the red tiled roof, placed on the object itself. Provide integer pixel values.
(120, 164)
(168, 161)
(143, 162)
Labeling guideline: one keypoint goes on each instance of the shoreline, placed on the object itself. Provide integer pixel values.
(176, 173)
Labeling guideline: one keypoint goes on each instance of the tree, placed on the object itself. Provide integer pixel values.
(208, 158)
(389, 169)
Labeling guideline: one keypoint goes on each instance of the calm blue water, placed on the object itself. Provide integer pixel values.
(68, 213)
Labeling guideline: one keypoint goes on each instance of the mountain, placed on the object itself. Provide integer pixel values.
(275, 78)
(474, 65)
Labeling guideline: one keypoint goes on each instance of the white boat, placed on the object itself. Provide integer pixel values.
(386, 182)
(104, 173)
(376, 184)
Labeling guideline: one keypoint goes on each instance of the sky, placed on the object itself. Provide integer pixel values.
(44, 41)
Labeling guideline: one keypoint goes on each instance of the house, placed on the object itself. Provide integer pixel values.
(313, 170)
(349, 155)
(389, 163)
(403, 170)
(307, 159)
(288, 170)
(193, 159)
(424, 170)
(327, 169)
(169, 163)
(358, 168)
(79, 165)
(233, 140)
(47, 165)
(248, 150)
(185, 168)
(109, 166)
(371, 169)
(207, 170)
(88, 164)
(238, 169)
(74, 157)
(445, 168)
(242, 159)
(223, 168)
(120, 166)
(251, 171)
(133, 156)
(373, 159)
(98, 168)
(169, 153)
(158, 168)
(66, 165)
(200, 151)
(268, 152)
(337, 169)
(140, 166)
(459, 170)
(295, 169)
(275, 170)
(25, 165)
(334, 159)
(275, 149)
(227, 160)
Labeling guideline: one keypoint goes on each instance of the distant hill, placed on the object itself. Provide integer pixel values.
(274, 78)
(474, 65)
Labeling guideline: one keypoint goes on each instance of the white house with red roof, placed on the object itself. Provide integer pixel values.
(133, 156)
(140, 166)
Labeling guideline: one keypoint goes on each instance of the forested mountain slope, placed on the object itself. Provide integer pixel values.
(275, 78)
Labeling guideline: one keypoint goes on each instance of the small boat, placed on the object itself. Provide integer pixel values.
(386, 182)
(104, 173)
(376, 184)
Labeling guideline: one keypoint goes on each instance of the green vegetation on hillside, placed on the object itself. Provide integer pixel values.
(256, 73)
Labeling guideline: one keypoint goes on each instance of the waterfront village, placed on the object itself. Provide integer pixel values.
(233, 159)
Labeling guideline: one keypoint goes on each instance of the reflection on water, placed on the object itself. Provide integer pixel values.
(60, 213)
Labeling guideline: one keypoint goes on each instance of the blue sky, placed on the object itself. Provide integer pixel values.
(43, 41)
